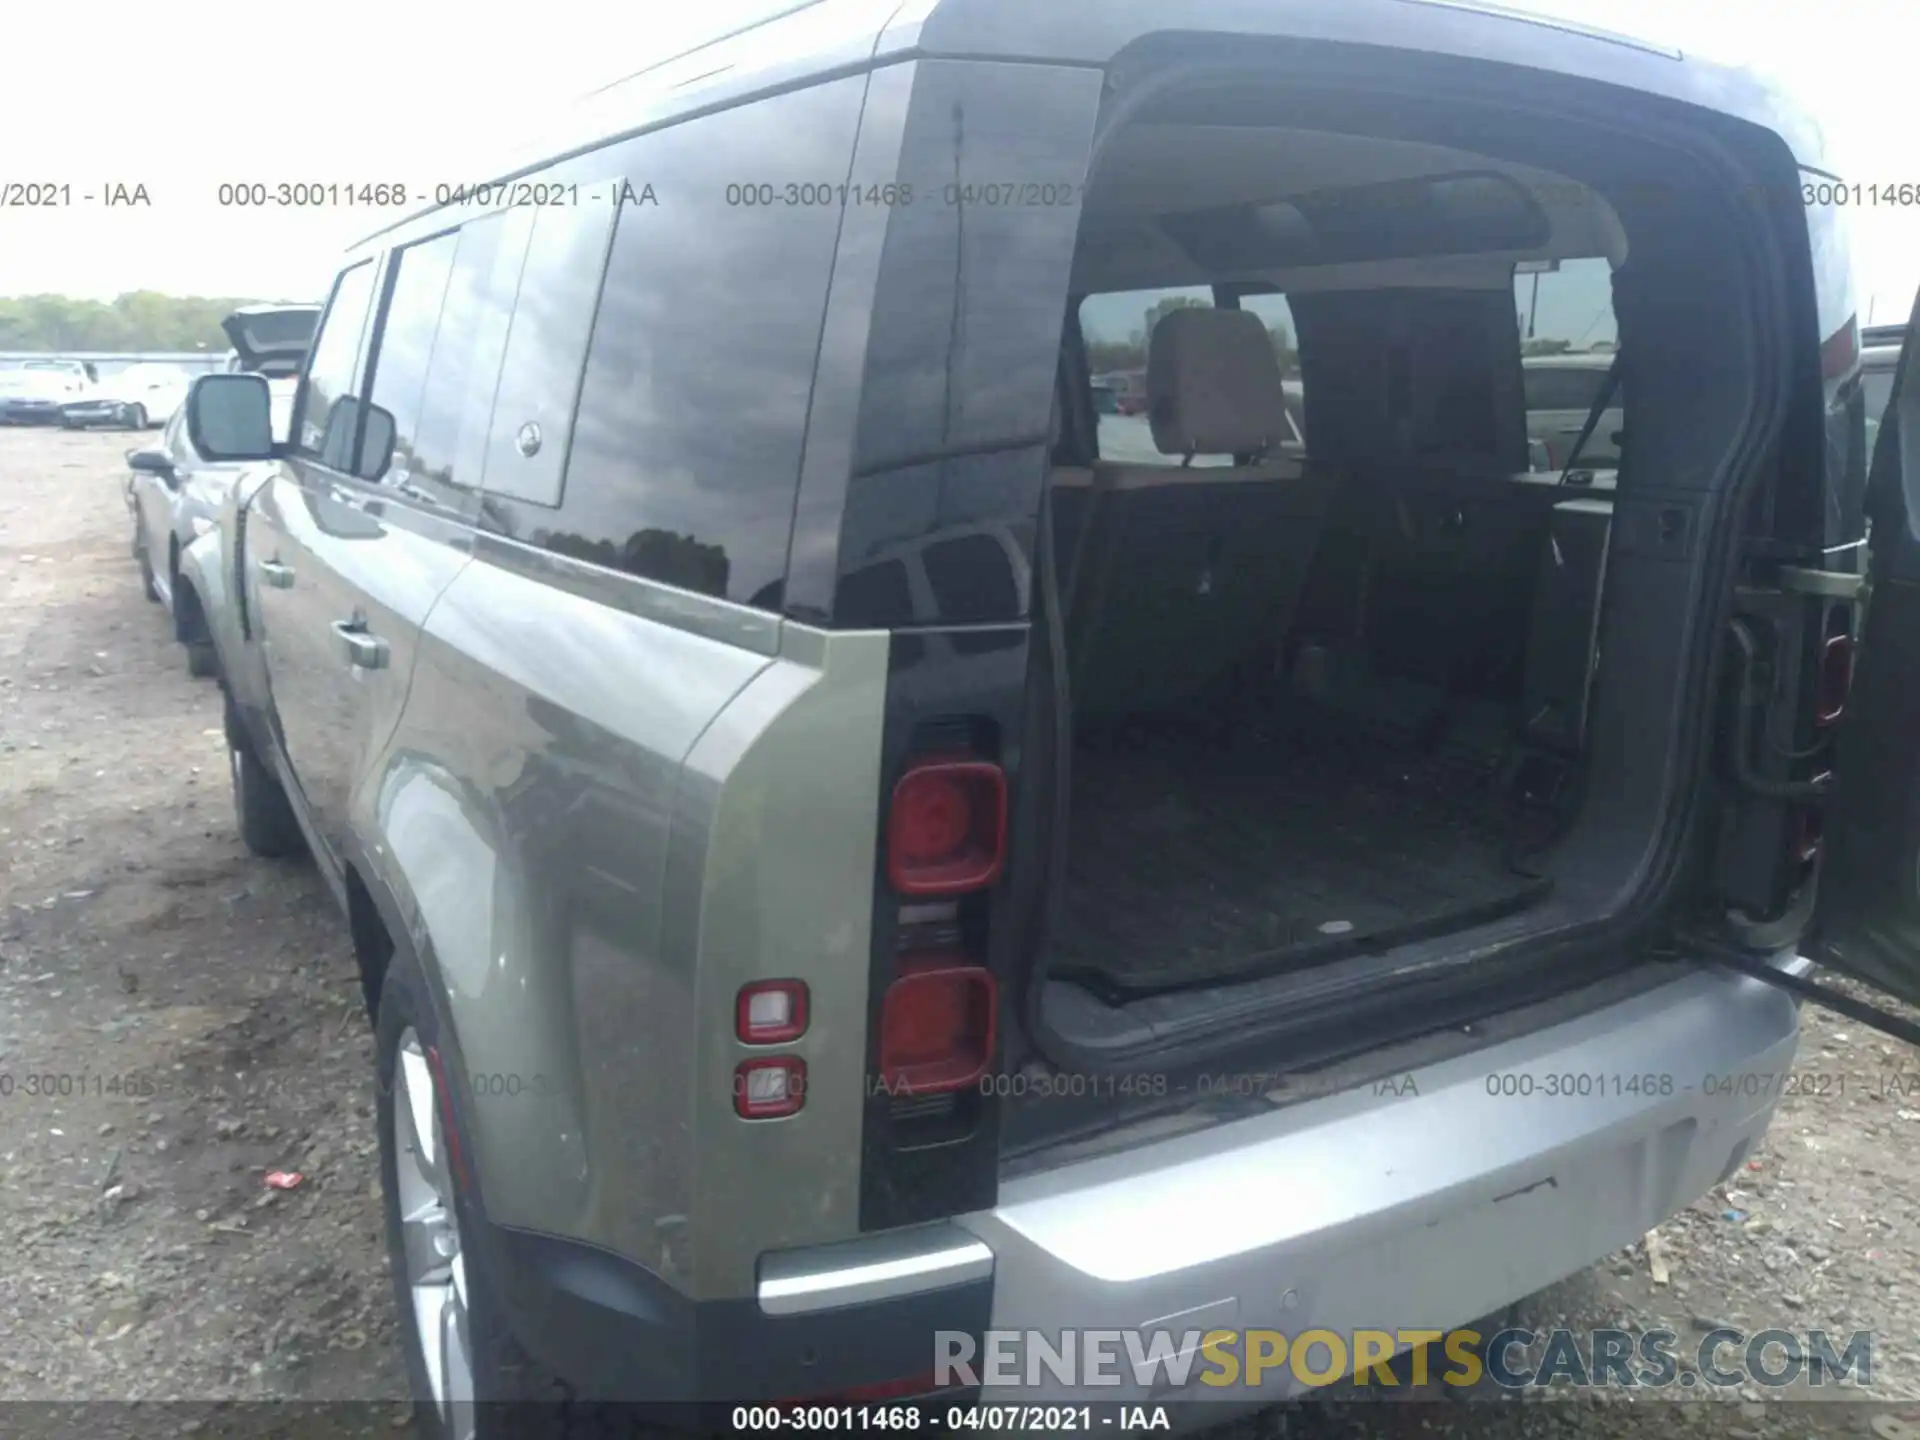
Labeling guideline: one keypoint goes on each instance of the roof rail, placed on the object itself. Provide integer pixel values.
(767, 19)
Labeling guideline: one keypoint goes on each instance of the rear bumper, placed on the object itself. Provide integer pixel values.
(95, 412)
(1420, 1205)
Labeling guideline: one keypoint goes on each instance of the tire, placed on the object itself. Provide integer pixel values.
(261, 809)
(504, 1394)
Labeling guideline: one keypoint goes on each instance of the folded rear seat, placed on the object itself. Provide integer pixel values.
(1186, 570)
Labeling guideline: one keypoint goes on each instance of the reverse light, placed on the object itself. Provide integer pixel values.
(769, 1089)
(770, 1012)
(937, 1028)
(947, 827)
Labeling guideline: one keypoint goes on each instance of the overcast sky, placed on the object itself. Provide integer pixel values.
(399, 91)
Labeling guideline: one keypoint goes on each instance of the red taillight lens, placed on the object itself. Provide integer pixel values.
(937, 1028)
(911, 1387)
(1836, 679)
(769, 1089)
(770, 1012)
(947, 827)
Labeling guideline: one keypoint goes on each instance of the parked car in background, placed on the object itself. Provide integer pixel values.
(272, 341)
(174, 493)
(140, 397)
(33, 392)
(1560, 391)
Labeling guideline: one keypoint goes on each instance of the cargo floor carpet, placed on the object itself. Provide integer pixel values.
(1191, 864)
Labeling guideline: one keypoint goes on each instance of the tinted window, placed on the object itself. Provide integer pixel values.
(1876, 387)
(326, 426)
(406, 345)
(1559, 388)
(1115, 328)
(685, 454)
(456, 404)
(1278, 315)
(174, 437)
(546, 346)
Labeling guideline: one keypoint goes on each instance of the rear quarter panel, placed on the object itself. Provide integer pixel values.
(527, 816)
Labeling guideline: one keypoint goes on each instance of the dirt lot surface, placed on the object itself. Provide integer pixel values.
(177, 1020)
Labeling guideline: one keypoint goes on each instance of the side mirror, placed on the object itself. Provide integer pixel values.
(229, 417)
(376, 443)
(376, 440)
(151, 462)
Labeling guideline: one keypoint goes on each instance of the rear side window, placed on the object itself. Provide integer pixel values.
(546, 347)
(1563, 388)
(456, 404)
(329, 412)
(1278, 315)
(1117, 328)
(414, 297)
(685, 451)
(1568, 338)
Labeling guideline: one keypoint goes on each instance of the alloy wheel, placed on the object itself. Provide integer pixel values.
(430, 1240)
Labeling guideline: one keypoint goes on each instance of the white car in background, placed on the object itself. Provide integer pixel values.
(141, 397)
(33, 391)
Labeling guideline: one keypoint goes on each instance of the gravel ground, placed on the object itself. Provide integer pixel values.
(178, 1019)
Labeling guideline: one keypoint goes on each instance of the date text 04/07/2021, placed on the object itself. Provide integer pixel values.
(986, 1419)
(390, 195)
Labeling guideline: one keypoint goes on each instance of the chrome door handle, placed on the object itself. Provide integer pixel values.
(273, 573)
(363, 651)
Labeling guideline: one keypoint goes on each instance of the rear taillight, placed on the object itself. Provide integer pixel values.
(770, 1012)
(947, 827)
(937, 1024)
(1836, 679)
(908, 1388)
(769, 1089)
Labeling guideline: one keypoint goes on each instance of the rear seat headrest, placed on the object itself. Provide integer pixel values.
(1213, 384)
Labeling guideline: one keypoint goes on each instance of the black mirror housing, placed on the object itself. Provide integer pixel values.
(150, 462)
(230, 417)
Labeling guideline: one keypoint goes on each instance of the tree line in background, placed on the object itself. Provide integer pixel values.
(139, 320)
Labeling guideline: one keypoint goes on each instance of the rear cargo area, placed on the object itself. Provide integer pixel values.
(1198, 858)
(1356, 662)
